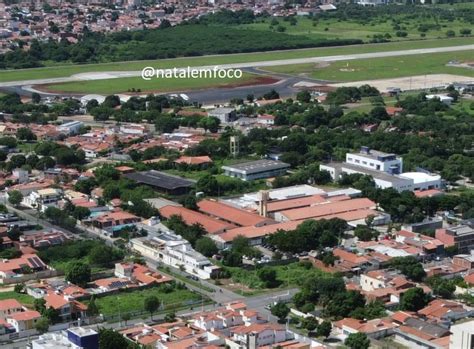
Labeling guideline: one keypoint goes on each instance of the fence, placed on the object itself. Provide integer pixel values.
(27, 277)
(163, 310)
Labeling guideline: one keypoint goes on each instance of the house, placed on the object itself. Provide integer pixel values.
(113, 284)
(140, 274)
(393, 111)
(376, 328)
(259, 334)
(429, 245)
(266, 119)
(444, 312)
(199, 161)
(44, 239)
(67, 307)
(25, 320)
(415, 332)
(43, 198)
(171, 249)
(9, 307)
(461, 236)
(27, 263)
(258, 169)
(114, 220)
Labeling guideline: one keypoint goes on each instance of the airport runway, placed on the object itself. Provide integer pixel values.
(214, 95)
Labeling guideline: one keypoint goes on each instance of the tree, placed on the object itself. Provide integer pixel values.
(414, 299)
(206, 246)
(310, 323)
(35, 97)
(170, 317)
(25, 134)
(303, 96)
(450, 33)
(78, 273)
(52, 315)
(92, 308)
(280, 310)
(15, 197)
(324, 329)
(268, 277)
(19, 288)
(109, 339)
(40, 305)
(126, 317)
(151, 304)
(42, 325)
(208, 184)
(363, 233)
(357, 340)
(210, 123)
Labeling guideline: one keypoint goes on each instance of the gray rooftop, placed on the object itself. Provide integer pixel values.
(256, 166)
(375, 174)
(373, 154)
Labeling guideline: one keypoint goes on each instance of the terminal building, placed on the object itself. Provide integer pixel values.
(386, 169)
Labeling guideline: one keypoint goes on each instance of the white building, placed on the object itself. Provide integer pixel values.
(173, 250)
(443, 98)
(386, 170)
(71, 127)
(73, 338)
(376, 160)
(223, 114)
(43, 198)
(462, 336)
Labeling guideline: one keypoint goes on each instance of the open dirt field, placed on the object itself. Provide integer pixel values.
(418, 82)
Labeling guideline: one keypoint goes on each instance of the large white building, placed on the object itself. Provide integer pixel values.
(173, 250)
(386, 169)
(462, 336)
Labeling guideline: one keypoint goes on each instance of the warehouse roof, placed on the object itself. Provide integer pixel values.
(160, 179)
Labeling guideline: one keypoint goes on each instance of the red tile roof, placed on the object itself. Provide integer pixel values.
(7, 304)
(211, 225)
(255, 232)
(25, 315)
(332, 209)
(232, 214)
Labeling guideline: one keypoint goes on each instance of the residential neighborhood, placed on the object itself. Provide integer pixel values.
(322, 200)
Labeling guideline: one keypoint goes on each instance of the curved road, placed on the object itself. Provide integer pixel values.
(213, 95)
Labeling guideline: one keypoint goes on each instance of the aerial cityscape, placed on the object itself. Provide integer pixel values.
(236, 174)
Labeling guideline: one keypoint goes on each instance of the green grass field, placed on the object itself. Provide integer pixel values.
(352, 29)
(293, 274)
(126, 302)
(121, 85)
(382, 68)
(68, 70)
(24, 299)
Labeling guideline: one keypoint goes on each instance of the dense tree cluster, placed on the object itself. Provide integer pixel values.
(309, 235)
(165, 42)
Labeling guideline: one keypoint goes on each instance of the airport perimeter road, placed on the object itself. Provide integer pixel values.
(270, 63)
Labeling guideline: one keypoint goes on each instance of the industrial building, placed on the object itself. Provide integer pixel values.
(258, 169)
